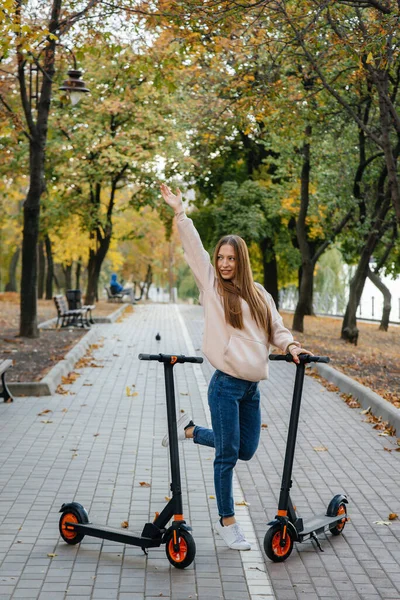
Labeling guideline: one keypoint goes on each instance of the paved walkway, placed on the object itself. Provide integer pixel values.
(98, 444)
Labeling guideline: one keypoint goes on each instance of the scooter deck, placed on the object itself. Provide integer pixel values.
(115, 535)
(318, 524)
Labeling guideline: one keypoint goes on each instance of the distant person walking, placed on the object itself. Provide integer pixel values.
(241, 321)
(117, 288)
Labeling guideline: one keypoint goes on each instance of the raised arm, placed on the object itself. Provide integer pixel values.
(195, 254)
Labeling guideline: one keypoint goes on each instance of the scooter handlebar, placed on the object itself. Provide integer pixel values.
(305, 358)
(171, 358)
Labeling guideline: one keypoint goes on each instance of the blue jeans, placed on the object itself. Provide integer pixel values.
(236, 424)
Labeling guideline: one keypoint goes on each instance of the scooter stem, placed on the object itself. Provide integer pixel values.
(173, 438)
(291, 440)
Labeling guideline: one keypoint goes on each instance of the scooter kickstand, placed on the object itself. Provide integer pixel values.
(316, 540)
(145, 551)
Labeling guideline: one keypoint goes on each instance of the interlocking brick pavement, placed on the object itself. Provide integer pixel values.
(101, 443)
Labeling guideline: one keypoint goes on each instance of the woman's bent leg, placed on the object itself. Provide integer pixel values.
(203, 436)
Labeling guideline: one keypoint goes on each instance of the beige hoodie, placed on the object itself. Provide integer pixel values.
(242, 353)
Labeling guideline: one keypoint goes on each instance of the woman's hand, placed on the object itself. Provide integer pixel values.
(295, 351)
(175, 202)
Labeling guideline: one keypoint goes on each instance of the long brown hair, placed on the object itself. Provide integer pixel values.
(243, 287)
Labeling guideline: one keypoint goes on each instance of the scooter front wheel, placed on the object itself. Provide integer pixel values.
(67, 532)
(184, 556)
(339, 526)
(272, 543)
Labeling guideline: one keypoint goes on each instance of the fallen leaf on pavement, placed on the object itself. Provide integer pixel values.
(61, 390)
(321, 449)
(125, 524)
(393, 516)
(144, 484)
(70, 378)
(242, 503)
(212, 497)
(46, 421)
(44, 412)
(264, 425)
(382, 523)
(52, 555)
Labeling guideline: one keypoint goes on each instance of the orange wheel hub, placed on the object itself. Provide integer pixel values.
(341, 511)
(68, 532)
(276, 544)
(182, 552)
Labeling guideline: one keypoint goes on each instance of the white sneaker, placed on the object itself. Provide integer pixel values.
(233, 536)
(182, 422)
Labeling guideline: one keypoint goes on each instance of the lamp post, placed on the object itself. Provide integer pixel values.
(74, 85)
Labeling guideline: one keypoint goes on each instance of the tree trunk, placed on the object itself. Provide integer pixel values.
(37, 145)
(149, 280)
(350, 331)
(387, 299)
(305, 301)
(50, 269)
(305, 295)
(67, 270)
(11, 285)
(42, 268)
(96, 258)
(78, 274)
(270, 269)
(28, 316)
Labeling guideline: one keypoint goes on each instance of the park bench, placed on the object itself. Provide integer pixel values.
(113, 297)
(4, 366)
(75, 303)
(68, 317)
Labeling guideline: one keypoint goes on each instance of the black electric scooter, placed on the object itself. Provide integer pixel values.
(180, 547)
(287, 527)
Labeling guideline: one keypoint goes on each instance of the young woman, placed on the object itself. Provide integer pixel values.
(241, 321)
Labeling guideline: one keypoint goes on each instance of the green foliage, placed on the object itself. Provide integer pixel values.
(330, 283)
(186, 284)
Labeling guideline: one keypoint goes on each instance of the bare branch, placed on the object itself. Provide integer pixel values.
(383, 8)
(66, 25)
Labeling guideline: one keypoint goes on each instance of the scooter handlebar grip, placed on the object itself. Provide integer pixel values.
(149, 356)
(287, 357)
(193, 359)
(307, 358)
(323, 359)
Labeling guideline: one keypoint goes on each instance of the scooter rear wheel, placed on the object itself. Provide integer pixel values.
(187, 549)
(68, 534)
(339, 526)
(272, 543)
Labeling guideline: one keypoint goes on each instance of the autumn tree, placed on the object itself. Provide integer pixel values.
(33, 33)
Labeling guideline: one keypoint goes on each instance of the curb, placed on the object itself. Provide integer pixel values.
(366, 397)
(48, 385)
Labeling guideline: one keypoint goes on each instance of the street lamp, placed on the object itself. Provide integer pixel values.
(74, 86)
